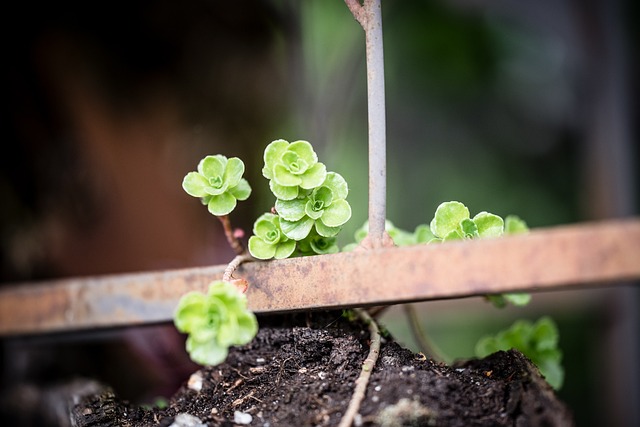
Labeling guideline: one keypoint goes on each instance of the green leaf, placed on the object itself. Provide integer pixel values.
(514, 225)
(453, 235)
(337, 214)
(260, 249)
(265, 223)
(285, 249)
(297, 230)
(518, 298)
(314, 210)
(215, 321)
(304, 150)
(448, 217)
(291, 210)
(222, 204)
(242, 190)
(282, 192)
(325, 231)
(423, 234)
(539, 342)
(489, 225)
(233, 171)
(207, 353)
(469, 228)
(212, 166)
(282, 176)
(194, 184)
(314, 176)
(272, 156)
(337, 184)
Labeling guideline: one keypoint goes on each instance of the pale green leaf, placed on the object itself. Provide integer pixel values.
(222, 204)
(314, 209)
(233, 171)
(337, 184)
(453, 235)
(282, 192)
(265, 223)
(213, 166)
(423, 234)
(337, 214)
(297, 230)
(190, 313)
(285, 249)
(260, 249)
(291, 210)
(489, 225)
(314, 176)
(325, 231)
(304, 150)
(448, 217)
(195, 184)
(242, 190)
(514, 225)
(207, 353)
(282, 176)
(273, 156)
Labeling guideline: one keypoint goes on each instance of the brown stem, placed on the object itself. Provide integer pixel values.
(367, 367)
(233, 241)
(423, 341)
(357, 11)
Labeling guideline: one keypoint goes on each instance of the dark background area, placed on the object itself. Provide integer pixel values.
(529, 109)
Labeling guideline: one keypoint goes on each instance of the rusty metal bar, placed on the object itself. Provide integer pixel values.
(577, 256)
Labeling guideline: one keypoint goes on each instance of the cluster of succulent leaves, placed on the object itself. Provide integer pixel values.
(215, 322)
(538, 341)
(452, 221)
(218, 183)
(310, 207)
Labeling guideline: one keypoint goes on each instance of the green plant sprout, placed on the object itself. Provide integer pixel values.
(452, 222)
(309, 211)
(538, 341)
(215, 322)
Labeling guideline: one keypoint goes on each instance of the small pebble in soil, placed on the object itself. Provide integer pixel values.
(195, 381)
(242, 418)
(187, 420)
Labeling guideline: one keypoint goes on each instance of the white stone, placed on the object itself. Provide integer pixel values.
(187, 420)
(242, 418)
(195, 382)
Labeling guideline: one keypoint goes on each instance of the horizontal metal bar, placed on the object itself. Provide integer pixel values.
(571, 256)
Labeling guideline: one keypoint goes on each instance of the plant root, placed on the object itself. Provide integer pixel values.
(367, 368)
(424, 343)
(227, 276)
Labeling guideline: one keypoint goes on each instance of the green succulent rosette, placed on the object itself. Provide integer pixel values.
(452, 222)
(218, 183)
(268, 240)
(291, 167)
(315, 244)
(215, 322)
(324, 207)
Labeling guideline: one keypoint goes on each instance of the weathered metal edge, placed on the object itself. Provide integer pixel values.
(577, 256)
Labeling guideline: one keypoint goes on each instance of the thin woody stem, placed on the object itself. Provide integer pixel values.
(422, 339)
(369, 15)
(235, 244)
(367, 367)
(234, 264)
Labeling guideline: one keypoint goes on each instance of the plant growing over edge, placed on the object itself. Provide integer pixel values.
(310, 210)
(451, 222)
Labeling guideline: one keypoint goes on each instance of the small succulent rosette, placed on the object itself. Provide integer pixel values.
(215, 322)
(268, 240)
(218, 183)
(291, 167)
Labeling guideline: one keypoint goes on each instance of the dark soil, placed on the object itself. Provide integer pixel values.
(303, 373)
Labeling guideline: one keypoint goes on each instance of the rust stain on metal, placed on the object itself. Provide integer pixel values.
(576, 256)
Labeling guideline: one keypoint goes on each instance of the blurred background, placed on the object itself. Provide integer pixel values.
(527, 108)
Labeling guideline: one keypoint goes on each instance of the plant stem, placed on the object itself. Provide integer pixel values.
(367, 368)
(233, 241)
(423, 341)
(234, 264)
(369, 15)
